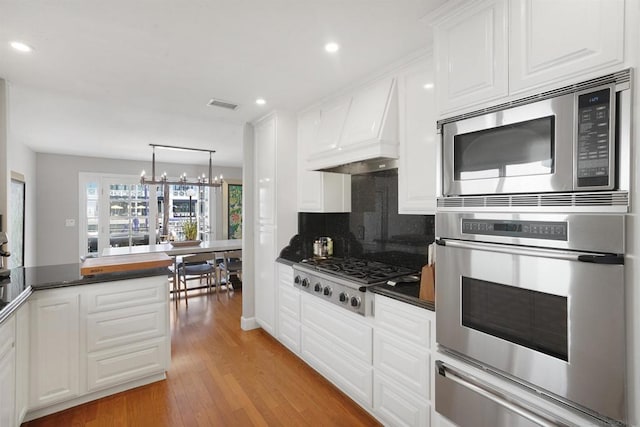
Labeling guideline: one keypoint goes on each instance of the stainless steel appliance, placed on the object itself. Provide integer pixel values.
(4, 271)
(344, 281)
(537, 298)
(568, 139)
(323, 247)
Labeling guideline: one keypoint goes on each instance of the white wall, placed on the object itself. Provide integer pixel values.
(57, 197)
(4, 173)
(248, 212)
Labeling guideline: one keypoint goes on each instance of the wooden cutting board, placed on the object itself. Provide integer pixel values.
(117, 263)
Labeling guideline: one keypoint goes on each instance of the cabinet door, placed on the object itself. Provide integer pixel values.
(54, 349)
(418, 140)
(332, 118)
(318, 191)
(552, 41)
(396, 406)
(265, 152)
(471, 50)
(366, 114)
(7, 372)
(22, 362)
(265, 290)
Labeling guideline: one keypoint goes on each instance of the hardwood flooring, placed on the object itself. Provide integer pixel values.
(221, 376)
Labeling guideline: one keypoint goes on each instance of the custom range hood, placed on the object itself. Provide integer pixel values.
(359, 133)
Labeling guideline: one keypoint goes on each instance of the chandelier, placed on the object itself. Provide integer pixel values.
(202, 181)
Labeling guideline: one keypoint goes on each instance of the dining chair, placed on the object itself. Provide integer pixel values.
(197, 267)
(231, 265)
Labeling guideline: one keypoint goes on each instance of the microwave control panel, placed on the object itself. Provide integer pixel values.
(594, 144)
(548, 230)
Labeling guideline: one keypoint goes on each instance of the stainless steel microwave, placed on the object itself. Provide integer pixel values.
(560, 141)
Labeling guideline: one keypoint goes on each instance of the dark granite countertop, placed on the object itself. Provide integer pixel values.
(286, 261)
(23, 281)
(403, 292)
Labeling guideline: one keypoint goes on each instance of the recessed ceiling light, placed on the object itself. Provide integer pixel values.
(260, 101)
(428, 86)
(22, 47)
(331, 47)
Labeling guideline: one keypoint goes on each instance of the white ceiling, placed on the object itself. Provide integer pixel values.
(106, 78)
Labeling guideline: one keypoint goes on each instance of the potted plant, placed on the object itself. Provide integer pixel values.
(190, 230)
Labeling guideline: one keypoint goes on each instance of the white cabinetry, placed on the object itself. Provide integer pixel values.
(558, 40)
(418, 149)
(369, 129)
(318, 191)
(91, 341)
(275, 175)
(491, 51)
(289, 309)
(338, 344)
(22, 361)
(471, 48)
(8, 372)
(402, 363)
(55, 346)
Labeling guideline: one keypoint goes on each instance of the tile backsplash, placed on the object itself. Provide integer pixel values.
(374, 229)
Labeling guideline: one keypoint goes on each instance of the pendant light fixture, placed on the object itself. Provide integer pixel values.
(201, 181)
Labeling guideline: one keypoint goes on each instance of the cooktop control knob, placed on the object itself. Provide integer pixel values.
(344, 297)
(317, 287)
(355, 302)
(327, 291)
(297, 280)
(305, 283)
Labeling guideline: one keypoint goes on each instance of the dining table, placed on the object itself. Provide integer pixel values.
(177, 249)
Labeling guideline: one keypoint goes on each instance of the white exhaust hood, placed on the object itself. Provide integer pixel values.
(359, 132)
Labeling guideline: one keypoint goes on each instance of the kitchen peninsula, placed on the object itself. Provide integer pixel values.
(69, 338)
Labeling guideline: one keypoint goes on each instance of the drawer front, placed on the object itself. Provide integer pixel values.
(285, 274)
(130, 325)
(342, 329)
(289, 332)
(289, 301)
(7, 335)
(408, 364)
(395, 406)
(110, 368)
(404, 320)
(127, 293)
(350, 375)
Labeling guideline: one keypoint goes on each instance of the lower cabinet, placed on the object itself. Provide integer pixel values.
(288, 309)
(7, 372)
(338, 344)
(402, 363)
(90, 341)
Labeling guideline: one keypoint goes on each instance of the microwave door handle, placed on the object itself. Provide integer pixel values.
(536, 252)
(471, 384)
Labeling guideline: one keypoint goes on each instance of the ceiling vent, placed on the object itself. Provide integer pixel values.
(222, 104)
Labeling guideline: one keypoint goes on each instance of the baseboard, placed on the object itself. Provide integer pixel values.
(248, 323)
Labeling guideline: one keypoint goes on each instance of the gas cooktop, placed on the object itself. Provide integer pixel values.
(360, 270)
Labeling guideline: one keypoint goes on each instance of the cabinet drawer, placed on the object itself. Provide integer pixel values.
(395, 406)
(344, 330)
(285, 274)
(127, 293)
(289, 301)
(7, 335)
(289, 332)
(406, 363)
(115, 367)
(130, 325)
(350, 375)
(404, 320)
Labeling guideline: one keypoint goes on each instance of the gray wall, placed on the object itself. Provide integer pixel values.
(58, 194)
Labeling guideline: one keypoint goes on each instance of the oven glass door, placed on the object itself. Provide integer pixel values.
(540, 316)
(522, 149)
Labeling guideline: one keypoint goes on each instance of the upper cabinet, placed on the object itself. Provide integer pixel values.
(357, 127)
(471, 47)
(491, 51)
(554, 40)
(318, 191)
(417, 168)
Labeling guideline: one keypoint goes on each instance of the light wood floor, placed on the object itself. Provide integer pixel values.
(222, 376)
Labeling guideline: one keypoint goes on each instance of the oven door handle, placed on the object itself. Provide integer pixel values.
(611, 259)
(486, 392)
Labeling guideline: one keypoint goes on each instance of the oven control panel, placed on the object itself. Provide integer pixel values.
(594, 139)
(549, 230)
